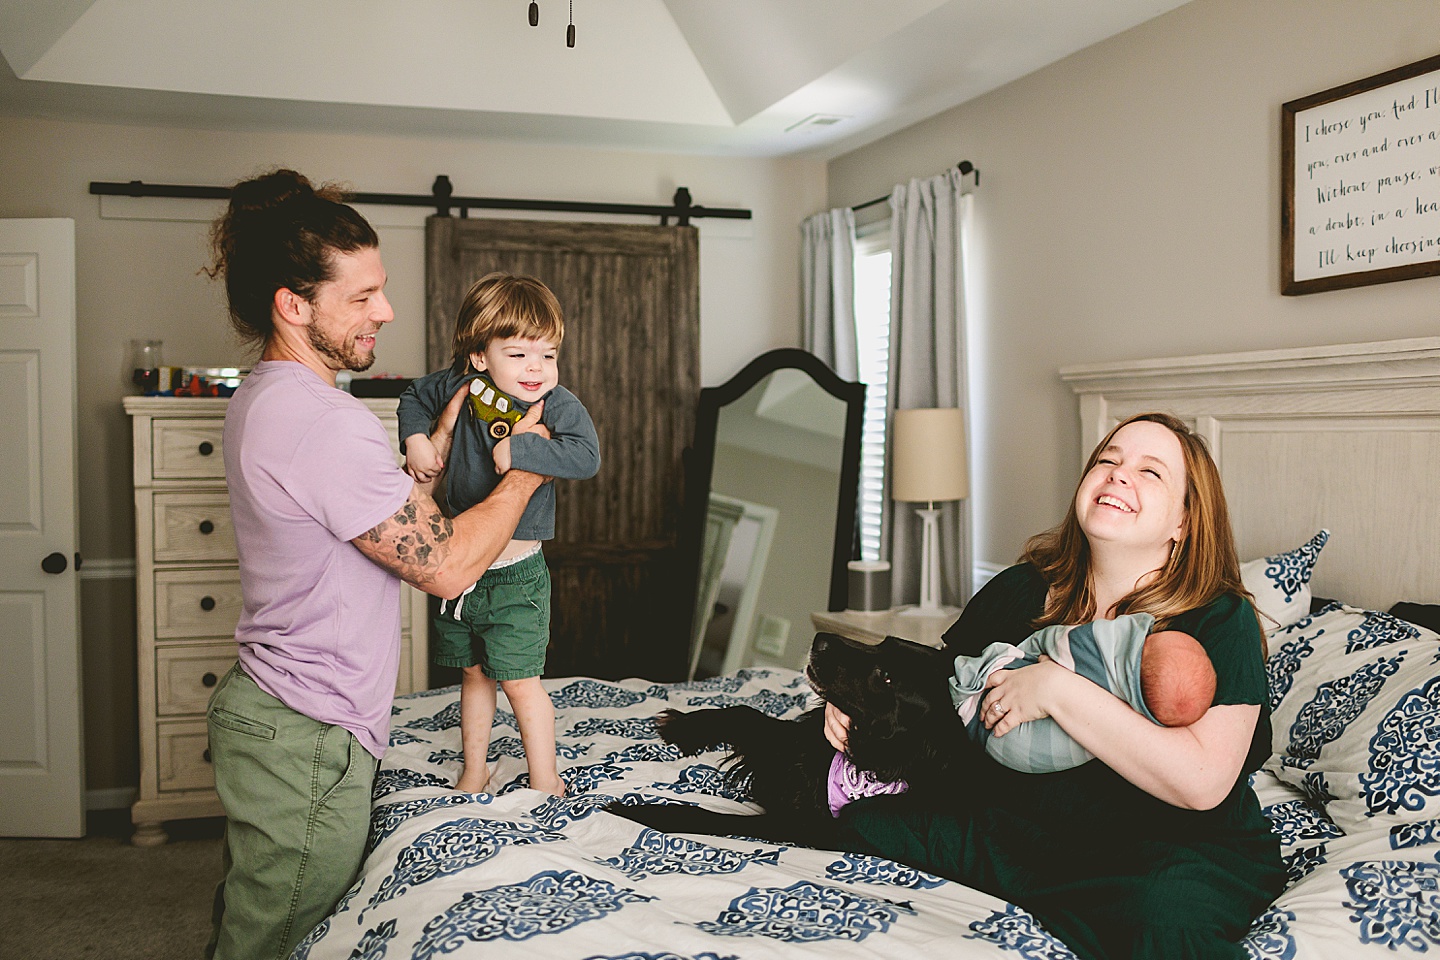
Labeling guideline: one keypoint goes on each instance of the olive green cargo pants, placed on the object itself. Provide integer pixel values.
(296, 794)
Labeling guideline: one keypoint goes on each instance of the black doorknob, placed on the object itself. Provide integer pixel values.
(55, 563)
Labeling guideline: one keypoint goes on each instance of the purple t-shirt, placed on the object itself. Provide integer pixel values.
(310, 468)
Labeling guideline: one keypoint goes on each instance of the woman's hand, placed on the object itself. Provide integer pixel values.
(1190, 767)
(1018, 696)
(837, 727)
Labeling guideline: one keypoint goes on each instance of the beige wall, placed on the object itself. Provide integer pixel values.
(137, 275)
(1129, 207)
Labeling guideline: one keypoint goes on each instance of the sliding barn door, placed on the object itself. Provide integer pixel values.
(631, 354)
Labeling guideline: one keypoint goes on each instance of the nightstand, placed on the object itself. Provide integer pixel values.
(895, 622)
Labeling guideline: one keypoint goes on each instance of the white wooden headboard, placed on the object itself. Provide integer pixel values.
(1345, 437)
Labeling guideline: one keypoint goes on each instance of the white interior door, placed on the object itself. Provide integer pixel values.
(42, 782)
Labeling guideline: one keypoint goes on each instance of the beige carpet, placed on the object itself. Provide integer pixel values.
(99, 898)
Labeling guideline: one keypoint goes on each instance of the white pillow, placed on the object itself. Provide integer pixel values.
(1281, 584)
(1355, 696)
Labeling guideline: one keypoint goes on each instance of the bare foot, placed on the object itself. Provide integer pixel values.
(555, 787)
(473, 782)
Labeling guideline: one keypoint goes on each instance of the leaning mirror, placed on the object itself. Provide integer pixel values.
(770, 516)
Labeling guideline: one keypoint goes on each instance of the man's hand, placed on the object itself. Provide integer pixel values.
(445, 426)
(422, 461)
(530, 423)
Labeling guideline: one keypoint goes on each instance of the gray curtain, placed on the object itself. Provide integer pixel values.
(827, 276)
(927, 366)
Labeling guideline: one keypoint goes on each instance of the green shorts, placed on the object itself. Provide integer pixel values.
(502, 624)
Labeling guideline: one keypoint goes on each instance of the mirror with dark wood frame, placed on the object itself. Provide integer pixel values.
(770, 515)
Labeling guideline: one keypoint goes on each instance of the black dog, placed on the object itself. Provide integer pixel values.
(903, 726)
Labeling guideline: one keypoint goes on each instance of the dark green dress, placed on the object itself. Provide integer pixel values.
(1111, 870)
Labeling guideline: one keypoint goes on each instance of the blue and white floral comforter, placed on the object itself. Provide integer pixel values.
(520, 873)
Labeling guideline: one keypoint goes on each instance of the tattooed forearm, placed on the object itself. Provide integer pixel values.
(441, 556)
(411, 544)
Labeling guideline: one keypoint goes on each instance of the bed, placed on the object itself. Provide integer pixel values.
(1328, 457)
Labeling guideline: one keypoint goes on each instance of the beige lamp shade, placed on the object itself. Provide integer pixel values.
(928, 461)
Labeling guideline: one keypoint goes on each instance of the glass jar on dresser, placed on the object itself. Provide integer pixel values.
(187, 584)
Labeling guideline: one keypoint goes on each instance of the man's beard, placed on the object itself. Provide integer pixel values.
(342, 353)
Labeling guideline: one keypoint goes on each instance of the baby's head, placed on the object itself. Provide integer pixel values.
(510, 327)
(1176, 678)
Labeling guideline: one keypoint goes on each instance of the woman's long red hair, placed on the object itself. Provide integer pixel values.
(1202, 566)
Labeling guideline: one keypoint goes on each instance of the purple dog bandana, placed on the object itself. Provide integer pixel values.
(847, 783)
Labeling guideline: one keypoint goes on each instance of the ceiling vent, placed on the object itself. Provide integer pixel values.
(817, 121)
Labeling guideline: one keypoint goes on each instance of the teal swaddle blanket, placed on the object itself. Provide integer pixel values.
(1106, 652)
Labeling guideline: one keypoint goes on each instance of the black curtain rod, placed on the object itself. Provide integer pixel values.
(964, 166)
(442, 199)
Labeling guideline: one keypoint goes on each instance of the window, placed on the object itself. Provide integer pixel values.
(872, 328)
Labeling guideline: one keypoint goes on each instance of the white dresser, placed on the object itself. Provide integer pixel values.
(188, 601)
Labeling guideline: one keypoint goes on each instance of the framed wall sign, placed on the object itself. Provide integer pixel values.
(1360, 179)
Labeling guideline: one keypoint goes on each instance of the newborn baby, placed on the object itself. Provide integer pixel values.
(1166, 676)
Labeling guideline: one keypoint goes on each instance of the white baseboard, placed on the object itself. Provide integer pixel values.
(112, 798)
(107, 569)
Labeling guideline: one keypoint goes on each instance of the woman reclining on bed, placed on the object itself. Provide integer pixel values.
(1157, 848)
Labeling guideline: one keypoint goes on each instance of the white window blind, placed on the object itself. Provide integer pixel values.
(872, 327)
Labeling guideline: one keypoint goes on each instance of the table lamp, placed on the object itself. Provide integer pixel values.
(928, 465)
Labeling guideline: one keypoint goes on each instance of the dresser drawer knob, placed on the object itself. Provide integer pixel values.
(207, 755)
(207, 527)
(209, 680)
(207, 603)
(206, 448)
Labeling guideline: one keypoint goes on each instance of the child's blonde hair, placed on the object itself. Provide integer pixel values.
(503, 305)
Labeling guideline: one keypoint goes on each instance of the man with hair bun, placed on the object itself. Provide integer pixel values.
(327, 526)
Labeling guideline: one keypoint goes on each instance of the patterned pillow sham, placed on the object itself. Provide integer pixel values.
(1281, 584)
(1355, 696)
